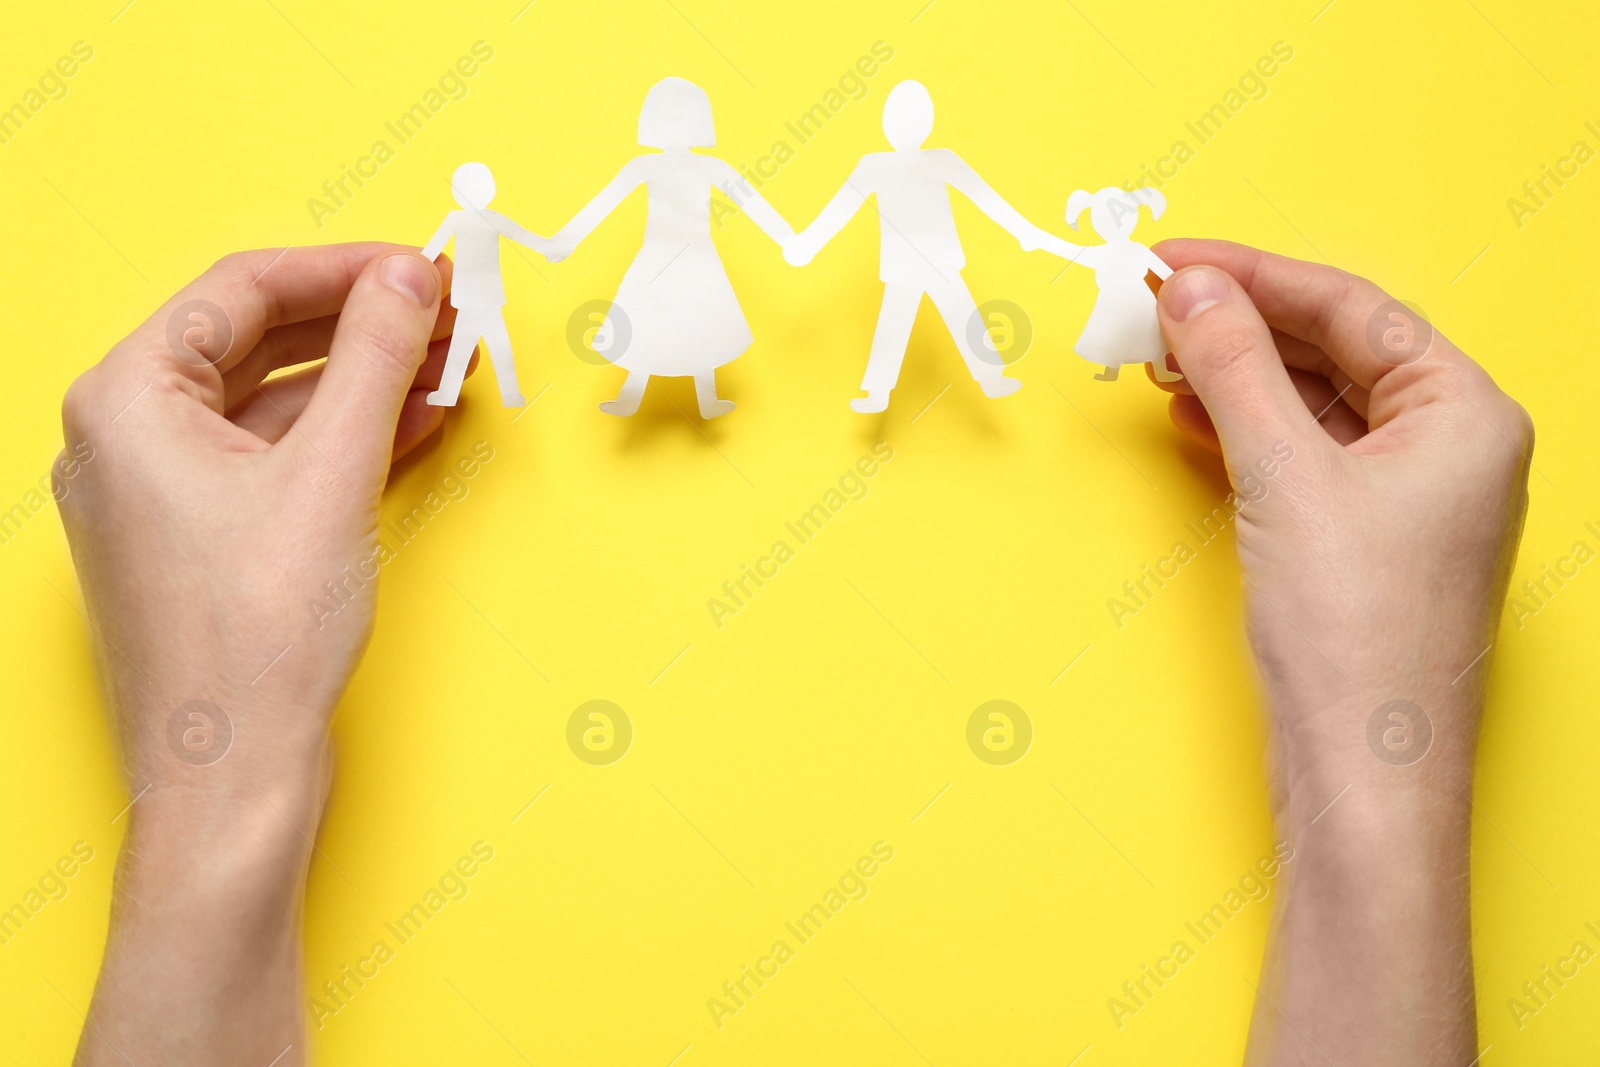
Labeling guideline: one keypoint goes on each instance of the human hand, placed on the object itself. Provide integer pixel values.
(217, 513)
(1378, 555)
(1383, 481)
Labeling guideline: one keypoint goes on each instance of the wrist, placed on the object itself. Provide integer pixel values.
(1360, 829)
(224, 746)
(1377, 832)
(204, 937)
(1410, 747)
(213, 883)
(1371, 932)
(248, 843)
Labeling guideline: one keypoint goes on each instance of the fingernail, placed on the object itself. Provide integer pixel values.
(1193, 291)
(409, 275)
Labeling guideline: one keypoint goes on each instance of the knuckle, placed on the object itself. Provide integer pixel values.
(1448, 377)
(232, 265)
(387, 346)
(236, 273)
(82, 399)
(1521, 424)
(1231, 349)
(1464, 385)
(1327, 310)
(58, 478)
(226, 268)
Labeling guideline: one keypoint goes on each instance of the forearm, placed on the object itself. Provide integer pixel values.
(1369, 959)
(203, 961)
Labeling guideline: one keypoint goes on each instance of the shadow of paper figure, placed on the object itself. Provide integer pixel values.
(477, 292)
(1123, 327)
(682, 316)
(920, 254)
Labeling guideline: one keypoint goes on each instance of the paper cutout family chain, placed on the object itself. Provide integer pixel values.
(679, 315)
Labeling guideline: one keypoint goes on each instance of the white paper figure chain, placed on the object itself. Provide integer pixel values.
(675, 312)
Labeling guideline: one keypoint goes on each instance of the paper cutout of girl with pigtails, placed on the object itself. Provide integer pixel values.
(1122, 327)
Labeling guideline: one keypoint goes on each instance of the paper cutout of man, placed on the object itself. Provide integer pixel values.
(920, 252)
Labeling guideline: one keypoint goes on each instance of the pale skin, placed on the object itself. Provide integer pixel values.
(217, 506)
(1375, 569)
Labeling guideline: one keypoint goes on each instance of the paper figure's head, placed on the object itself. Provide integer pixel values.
(908, 116)
(473, 185)
(1113, 211)
(676, 115)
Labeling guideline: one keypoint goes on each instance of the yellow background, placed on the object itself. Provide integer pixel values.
(770, 754)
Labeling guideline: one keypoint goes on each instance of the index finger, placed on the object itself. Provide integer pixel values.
(1363, 329)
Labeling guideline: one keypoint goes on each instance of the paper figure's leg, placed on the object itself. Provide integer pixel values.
(958, 309)
(889, 340)
(463, 342)
(1159, 366)
(627, 401)
(505, 367)
(1109, 374)
(705, 392)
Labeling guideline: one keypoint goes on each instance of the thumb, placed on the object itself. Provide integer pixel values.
(380, 341)
(1225, 350)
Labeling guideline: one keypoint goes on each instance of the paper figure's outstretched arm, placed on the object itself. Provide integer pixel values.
(761, 213)
(992, 204)
(506, 228)
(1158, 265)
(441, 236)
(604, 203)
(1066, 249)
(840, 210)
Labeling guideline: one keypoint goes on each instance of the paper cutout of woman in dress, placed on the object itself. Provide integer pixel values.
(675, 306)
(1122, 327)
